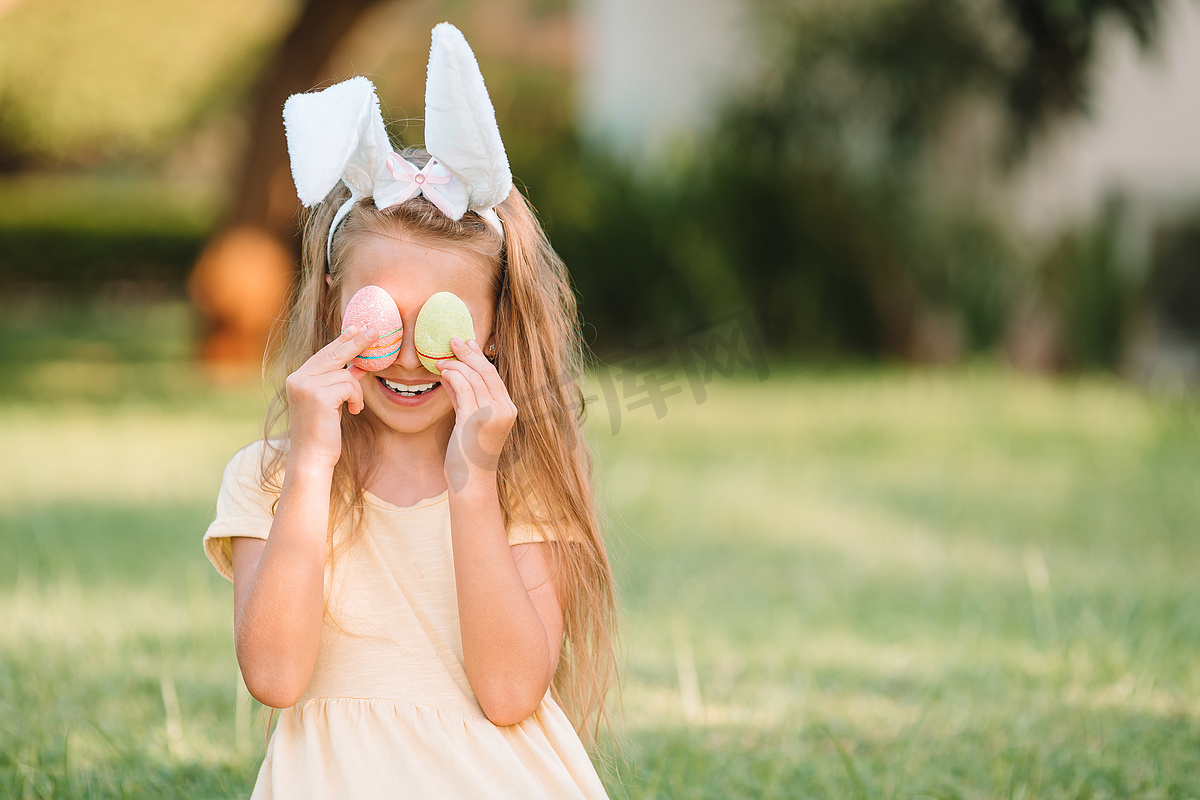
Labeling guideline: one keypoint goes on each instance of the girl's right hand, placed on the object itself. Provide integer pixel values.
(315, 394)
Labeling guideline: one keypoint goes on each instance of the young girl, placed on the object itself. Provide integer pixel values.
(419, 581)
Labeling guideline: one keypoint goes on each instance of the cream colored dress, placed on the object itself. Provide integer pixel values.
(389, 712)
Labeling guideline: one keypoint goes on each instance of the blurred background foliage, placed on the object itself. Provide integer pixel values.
(124, 81)
(822, 197)
(118, 120)
(816, 199)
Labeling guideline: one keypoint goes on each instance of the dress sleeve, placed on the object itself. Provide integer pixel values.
(243, 508)
(526, 532)
(533, 524)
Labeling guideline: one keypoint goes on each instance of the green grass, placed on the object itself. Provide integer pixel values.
(967, 584)
(840, 584)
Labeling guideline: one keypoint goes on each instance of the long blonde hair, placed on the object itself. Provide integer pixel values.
(545, 470)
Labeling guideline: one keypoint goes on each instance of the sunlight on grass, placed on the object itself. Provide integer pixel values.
(134, 453)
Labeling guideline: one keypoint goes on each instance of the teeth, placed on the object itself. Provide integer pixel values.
(404, 388)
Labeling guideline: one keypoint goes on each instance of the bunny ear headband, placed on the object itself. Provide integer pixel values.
(338, 134)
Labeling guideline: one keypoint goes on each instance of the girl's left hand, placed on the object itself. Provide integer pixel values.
(483, 415)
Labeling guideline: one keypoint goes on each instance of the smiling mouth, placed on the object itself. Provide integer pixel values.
(405, 390)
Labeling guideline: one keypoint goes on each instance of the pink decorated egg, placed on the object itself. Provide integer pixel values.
(372, 307)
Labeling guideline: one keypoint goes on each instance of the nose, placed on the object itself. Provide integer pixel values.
(407, 359)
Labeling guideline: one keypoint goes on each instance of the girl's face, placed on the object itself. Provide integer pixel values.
(411, 270)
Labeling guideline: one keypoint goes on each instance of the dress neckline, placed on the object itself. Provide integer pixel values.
(378, 501)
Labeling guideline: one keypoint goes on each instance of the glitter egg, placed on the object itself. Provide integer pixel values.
(371, 306)
(443, 317)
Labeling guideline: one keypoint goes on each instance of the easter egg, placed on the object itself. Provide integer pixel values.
(372, 307)
(443, 317)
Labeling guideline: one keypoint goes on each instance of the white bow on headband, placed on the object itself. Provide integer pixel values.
(338, 134)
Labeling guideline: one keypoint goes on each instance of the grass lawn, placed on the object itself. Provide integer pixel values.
(858, 584)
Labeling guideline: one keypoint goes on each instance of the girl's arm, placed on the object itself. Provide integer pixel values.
(279, 584)
(278, 591)
(509, 611)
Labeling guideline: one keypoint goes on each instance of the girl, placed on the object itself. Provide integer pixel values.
(419, 581)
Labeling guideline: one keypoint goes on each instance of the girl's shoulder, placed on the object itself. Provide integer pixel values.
(254, 471)
(255, 460)
(245, 501)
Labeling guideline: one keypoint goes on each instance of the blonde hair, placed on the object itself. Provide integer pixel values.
(545, 469)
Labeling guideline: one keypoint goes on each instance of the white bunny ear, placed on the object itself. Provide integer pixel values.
(460, 122)
(335, 134)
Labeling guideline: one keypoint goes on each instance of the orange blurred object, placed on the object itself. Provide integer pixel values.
(239, 285)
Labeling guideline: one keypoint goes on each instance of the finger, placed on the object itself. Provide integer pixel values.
(464, 392)
(471, 353)
(354, 403)
(352, 393)
(444, 379)
(449, 387)
(342, 350)
(452, 375)
(482, 392)
(337, 387)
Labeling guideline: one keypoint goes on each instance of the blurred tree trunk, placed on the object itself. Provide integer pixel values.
(241, 279)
